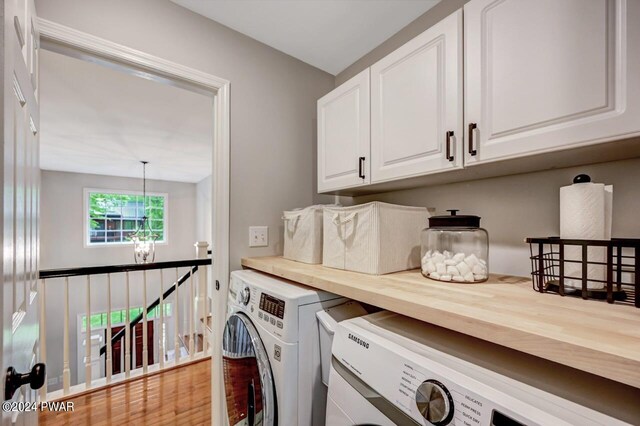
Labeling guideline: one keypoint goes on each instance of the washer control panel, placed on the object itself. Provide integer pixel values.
(265, 309)
(272, 305)
(435, 388)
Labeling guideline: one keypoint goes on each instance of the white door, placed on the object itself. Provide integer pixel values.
(21, 185)
(416, 105)
(545, 75)
(343, 135)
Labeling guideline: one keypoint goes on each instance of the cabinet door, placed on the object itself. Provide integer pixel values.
(343, 135)
(546, 75)
(416, 101)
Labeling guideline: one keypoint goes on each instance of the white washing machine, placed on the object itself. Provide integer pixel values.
(388, 369)
(271, 355)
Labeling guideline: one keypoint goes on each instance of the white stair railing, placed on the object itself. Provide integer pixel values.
(87, 339)
(176, 325)
(109, 363)
(192, 335)
(127, 333)
(145, 348)
(66, 371)
(131, 352)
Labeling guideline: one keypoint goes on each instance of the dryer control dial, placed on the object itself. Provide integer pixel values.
(245, 296)
(434, 402)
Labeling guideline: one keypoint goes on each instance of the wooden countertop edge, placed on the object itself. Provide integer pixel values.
(601, 363)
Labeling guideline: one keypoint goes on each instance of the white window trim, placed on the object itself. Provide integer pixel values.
(85, 220)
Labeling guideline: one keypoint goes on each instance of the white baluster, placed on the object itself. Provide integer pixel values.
(192, 299)
(202, 314)
(43, 336)
(66, 372)
(161, 333)
(109, 355)
(145, 349)
(205, 319)
(127, 333)
(176, 333)
(87, 362)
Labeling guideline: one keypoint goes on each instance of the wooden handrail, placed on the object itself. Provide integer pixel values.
(111, 269)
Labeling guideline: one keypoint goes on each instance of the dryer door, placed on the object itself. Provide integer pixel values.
(248, 381)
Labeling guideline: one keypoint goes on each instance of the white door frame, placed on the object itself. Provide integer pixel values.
(71, 42)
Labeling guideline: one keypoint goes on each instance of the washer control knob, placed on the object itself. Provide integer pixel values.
(434, 402)
(245, 296)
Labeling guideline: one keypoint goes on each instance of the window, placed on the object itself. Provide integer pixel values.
(99, 320)
(112, 217)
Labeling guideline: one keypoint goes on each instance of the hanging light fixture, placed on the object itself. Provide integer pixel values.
(144, 240)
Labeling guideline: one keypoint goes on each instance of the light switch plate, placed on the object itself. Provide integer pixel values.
(258, 236)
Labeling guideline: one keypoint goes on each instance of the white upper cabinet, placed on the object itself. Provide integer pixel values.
(416, 105)
(546, 75)
(344, 135)
(539, 76)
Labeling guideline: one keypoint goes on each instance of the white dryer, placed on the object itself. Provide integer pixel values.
(391, 370)
(271, 355)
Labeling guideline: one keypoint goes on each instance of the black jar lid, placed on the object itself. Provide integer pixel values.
(454, 220)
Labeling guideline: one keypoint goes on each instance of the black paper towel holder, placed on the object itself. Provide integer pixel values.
(622, 283)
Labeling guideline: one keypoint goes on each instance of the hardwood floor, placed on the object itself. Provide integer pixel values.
(181, 396)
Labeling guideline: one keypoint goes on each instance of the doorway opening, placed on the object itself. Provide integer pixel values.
(79, 150)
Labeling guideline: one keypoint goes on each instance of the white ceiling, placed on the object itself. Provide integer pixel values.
(328, 34)
(98, 120)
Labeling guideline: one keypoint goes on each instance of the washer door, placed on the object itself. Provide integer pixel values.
(248, 380)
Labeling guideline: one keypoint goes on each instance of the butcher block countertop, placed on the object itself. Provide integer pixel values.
(587, 335)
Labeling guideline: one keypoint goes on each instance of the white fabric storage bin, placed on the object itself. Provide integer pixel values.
(303, 234)
(374, 238)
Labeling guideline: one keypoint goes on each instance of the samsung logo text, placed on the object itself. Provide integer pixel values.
(359, 341)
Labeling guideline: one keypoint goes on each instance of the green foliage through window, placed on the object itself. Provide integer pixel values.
(114, 217)
(120, 317)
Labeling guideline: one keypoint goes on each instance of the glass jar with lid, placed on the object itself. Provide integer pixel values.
(455, 248)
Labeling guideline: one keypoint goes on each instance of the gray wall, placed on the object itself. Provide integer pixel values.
(511, 207)
(62, 237)
(273, 98)
(62, 245)
(525, 205)
(203, 210)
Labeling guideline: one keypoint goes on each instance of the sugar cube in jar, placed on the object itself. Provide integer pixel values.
(455, 249)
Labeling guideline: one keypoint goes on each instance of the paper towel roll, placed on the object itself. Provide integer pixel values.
(585, 213)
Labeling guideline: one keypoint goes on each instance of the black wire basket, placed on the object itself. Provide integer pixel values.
(620, 268)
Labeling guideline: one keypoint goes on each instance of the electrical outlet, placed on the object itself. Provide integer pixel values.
(258, 236)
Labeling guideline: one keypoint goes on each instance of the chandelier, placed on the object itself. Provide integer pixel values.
(144, 240)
